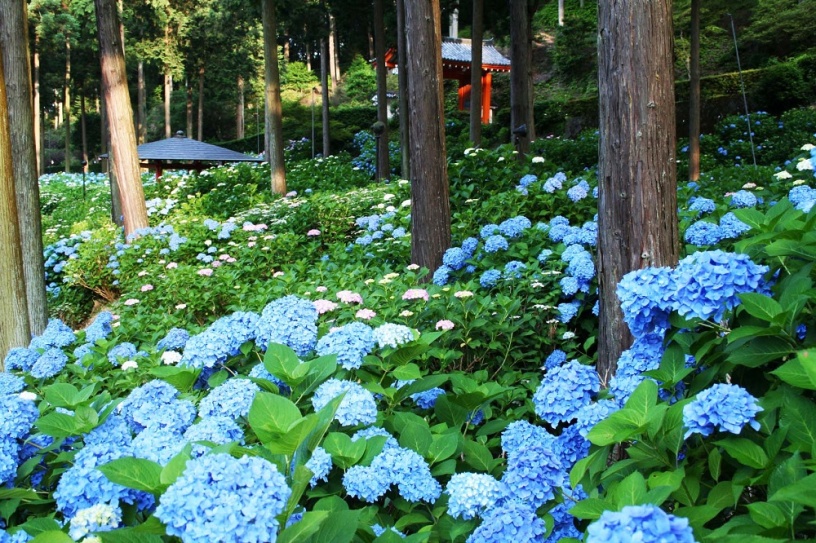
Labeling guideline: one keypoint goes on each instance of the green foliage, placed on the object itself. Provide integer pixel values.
(299, 77)
(360, 81)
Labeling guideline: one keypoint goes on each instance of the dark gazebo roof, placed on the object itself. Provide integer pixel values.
(180, 148)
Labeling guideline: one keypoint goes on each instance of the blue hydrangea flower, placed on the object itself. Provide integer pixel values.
(258, 371)
(801, 194)
(122, 352)
(743, 198)
(702, 205)
(350, 343)
(366, 483)
(9, 455)
(578, 192)
(527, 180)
(521, 435)
(544, 255)
(703, 233)
(216, 429)
(565, 390)
(441, 276)
(56, 335)
(404, 468)
(582, 267)
(514, 269)
(10, 384)
(454, 258)
(533, 474)
(644, 355)
(555, 359)
(488, 230)
(320, 464)
(100, 328)
(496, 243)
(514, 521)
(17, 415)
(154, 404)
(376, 431)
(555, 182)
(84, 349)
(724, 407)
(232, 399)
(569, 285)
(392, 335)
(490, 278)
(567, 311)
(51, 362)
(220, 340)
(201, 506)
(21, 358)
(291, 321)
(731, 227)
(469, 246)
(174, 340)
(358, 405)
(646, 299)
(399, 232)
(471, 494)
(514, 227)
(643, 523)
(101, 517)
(157, 444)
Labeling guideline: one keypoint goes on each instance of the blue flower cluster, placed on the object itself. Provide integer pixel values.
(564, 390)
(441, 276)
(471, 494)
(20, 358)
(644, 355)
(155, 405)
(320, 464)
(579, 191)
(291, 321)
(514, 269)
(534, 473)
(201, 506)
(350, 343)
(174, 340)
(731, 227)
(231, 399)
(17, 416)
(724, 407)
(101, 517)
(743, 198)
(496, 243)
(393, 466)
(642, 523)
(10, 384)
(646, 298)
(703, 233)
(568, 311)
(51, 362)
(801, 195)
(455, 258)
(158, 444)
(221, 339)
(514, 227)
(490, 278)
(514, 521)
(121, 352)
(555, 359)
(100, 328)
(701, 205)
(215, 429)
(555, 182)
(357, 407)
(392, 335)
(56, 335)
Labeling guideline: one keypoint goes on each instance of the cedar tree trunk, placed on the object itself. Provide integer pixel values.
(477, 29)
(273, 109)
(383, 162)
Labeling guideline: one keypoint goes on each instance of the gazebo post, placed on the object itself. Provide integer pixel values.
(487, 85)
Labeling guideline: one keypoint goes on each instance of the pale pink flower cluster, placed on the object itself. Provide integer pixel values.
(444, 324)
(349, 297)
(365, 314)
(463, 294)
(249, 227)
(131, 301)
(172, 266)
(415, 294)
(291, 194)
(313, 232)
(142, 273)
(321, 288)
(205, 272)
(406, 313)
(146, 288)
(324, 306)
(226, 258)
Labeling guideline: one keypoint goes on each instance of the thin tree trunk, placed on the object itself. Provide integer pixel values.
(14, 47)
(239, 110)
(335, 77)
(141, 130)
(476, 75)
(14, 327)
(201, 103)
(404, 116)
(560, 12)
(84, 129)
(637, 208)
(430, 210)
(189, 103)
(383, 160)
(324, 82)
(273, 109)
(38, 122)
(120, 116)
(67, 104)
(168, 93)
(694, 93)
(521, 117)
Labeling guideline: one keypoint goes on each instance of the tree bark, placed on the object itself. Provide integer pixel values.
(120, 117)
(324, 83)
(477, 30)
(38, 138)
(168, 93)
(521, 113)
(273, 109)
(14, 327)
(67, 104)
(383, 160)
(404, 117)
(637, 218)
(201, 104)
(239, 110)
(694, 93)
(334, 72)
(141, 98)
(84, 130)
(14, 45)
(430, 213)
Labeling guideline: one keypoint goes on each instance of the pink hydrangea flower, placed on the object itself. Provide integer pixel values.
(365, 314)
(321, 288)
(313, 232)
(444, 324)
(215, 263)
(324, 306)
(251, 244)
(463, 294)
(415, 294)
(291, 194)
(172, 266)
(206, 272)
(146, 288)
(131, 301)
(349, 297)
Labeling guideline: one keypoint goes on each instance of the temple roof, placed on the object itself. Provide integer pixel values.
(181, 148)
(459, 50)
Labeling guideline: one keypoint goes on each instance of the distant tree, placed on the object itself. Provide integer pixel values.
(404, 117)
(521, 74)
(637, 207)
(274, 113)
(360, 81)
(120, 117)
(14, 43)
(383, 166)
(430, 212)
(14, 327)
(297, 76)
(694, 93)
(477, 30)
(324, 94)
